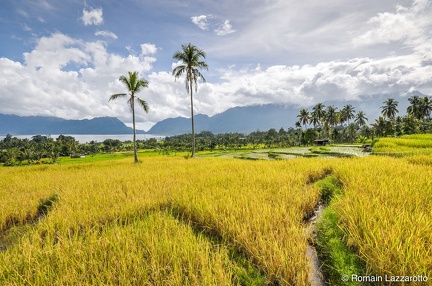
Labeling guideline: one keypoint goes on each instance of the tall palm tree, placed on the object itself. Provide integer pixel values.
(415, 109)
(190, 58)
(134, 85)
(360, 119)
(426, 106)
(319, 111)
(389, 109)
(314, 119)
(332, 118)
(303, 116)
(347, 113)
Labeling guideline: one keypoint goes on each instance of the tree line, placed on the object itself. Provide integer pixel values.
(345, 125)
(324, 122)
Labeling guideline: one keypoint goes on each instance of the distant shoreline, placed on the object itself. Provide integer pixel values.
(86, 138)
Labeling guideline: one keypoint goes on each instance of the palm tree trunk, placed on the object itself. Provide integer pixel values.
(134, 130)
(192, 115)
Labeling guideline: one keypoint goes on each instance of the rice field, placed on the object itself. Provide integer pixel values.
(207, 221)
(416, 144)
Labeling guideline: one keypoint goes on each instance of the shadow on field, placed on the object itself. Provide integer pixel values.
(15, 228)
(245, 271)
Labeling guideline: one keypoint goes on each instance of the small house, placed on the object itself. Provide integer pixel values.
(321, 142)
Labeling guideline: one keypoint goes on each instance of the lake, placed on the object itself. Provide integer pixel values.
(85, 138)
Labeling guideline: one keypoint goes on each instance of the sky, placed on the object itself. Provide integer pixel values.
(64, 58)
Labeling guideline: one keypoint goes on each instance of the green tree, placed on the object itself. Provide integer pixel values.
(134, 85)
(360, 119)
(303, 116)
(426, 106)
(319, 112)
(389, 109)
(347, 113)
(332, 117)
(415, 107)
(190, 58)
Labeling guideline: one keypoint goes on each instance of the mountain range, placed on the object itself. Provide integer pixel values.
(244, 119)
(29, 125)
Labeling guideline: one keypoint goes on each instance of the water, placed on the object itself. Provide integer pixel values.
(85, 138)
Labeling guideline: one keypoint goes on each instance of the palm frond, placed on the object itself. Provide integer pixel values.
(117, 95)
(143, 104)
(179, 70)
(125, 81)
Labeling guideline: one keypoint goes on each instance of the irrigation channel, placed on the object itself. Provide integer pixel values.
(316, 277)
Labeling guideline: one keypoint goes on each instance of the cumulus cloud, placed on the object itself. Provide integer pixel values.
(219, 28)
(224, 29)
(148, 49)
(44, 85)
(106, 34)
(201, 21)
(92, 16)
(406, 24)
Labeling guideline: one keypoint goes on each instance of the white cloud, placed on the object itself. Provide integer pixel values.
(44, 85)
(224, 29)
(219, 28)
(92, 17)
(201, 21)
(148, 49)
(107, 34)
(406, 25)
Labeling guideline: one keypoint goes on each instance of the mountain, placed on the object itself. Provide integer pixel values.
(238, 119)
(28, 125)
(247, 119)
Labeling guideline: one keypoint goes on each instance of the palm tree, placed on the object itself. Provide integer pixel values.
(347, 113)
(415, 108)
(332, 117)
(426, 106)
(303, 116)
(389, 109)
(314, 119)
(190, 63)
(319, 111)
(360, 119)
(134, 85)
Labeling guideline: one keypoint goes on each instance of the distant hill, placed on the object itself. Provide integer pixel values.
(238, 119)
(28, 125)
(244, 119)
(247, 119)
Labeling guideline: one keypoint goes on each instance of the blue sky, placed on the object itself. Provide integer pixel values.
(63, 58)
